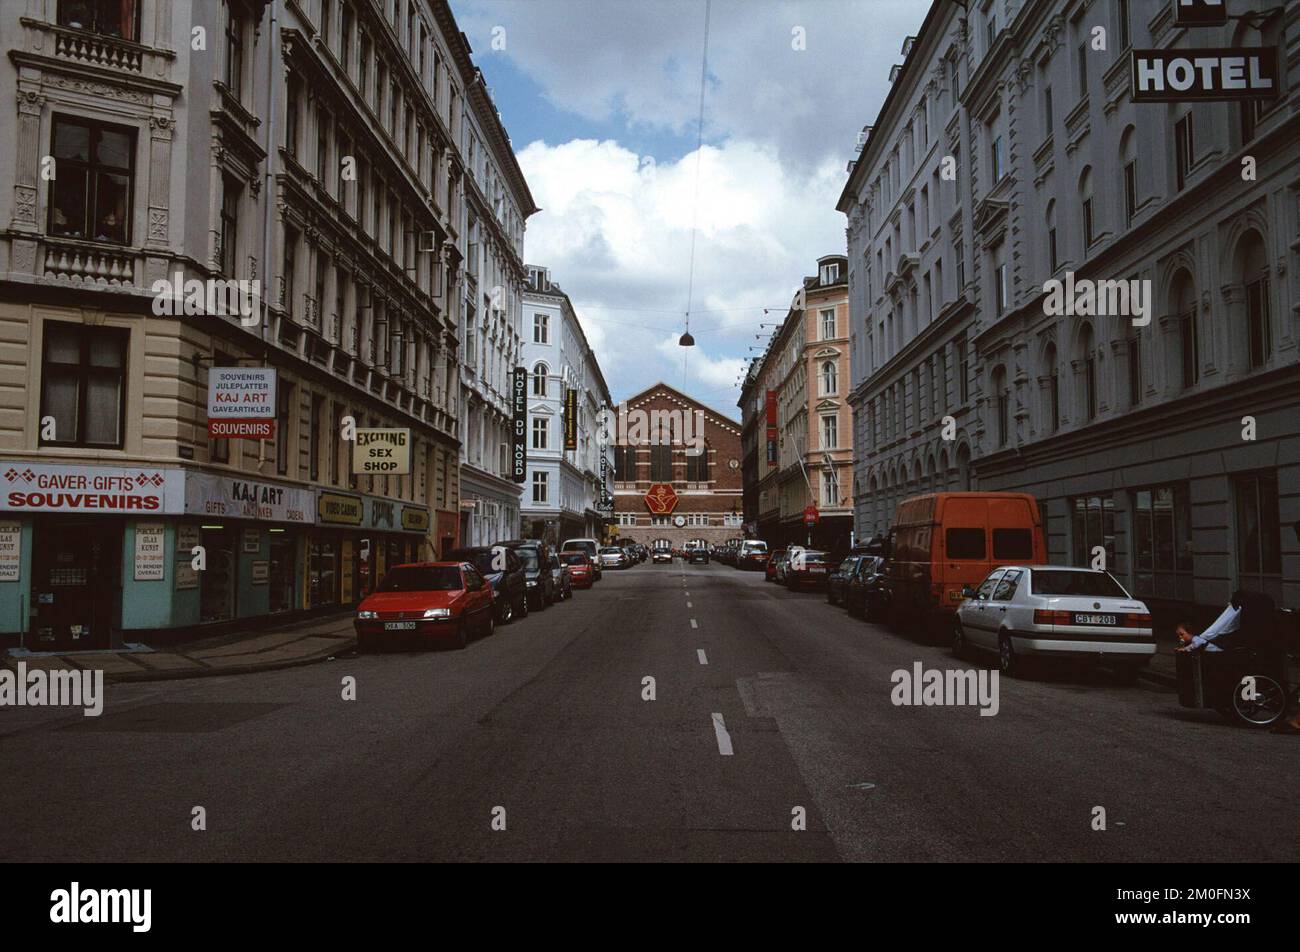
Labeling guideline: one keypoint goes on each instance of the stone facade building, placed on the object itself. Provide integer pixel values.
(315, 147)
(1165, 441)
(665, 436)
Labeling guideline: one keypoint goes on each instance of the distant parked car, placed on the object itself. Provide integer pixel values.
(582, 572)
(502, 568)
(421, 602)
(752, 554)
(1022, 611)
(837, 581)
(536, 556)
(865, 593)
(771, 569)
(662, 554)
(590, 546)
(612, 557)
(805, 568)
(561, 578)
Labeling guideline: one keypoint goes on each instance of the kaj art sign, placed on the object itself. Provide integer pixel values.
(661, 499)
(241, 402)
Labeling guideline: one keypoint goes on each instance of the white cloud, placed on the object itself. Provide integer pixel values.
(616, 235)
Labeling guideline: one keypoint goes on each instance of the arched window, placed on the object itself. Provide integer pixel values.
(1052, 399)
(1087, 374)
(1128, 165)
(1053, 250)
(829, 378)
(1252, 264)
(1183, 301)
(1087, 209)
(540, 373)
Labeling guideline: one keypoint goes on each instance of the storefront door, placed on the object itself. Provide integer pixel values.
(282, 572)
(76, 584)
(218, 581)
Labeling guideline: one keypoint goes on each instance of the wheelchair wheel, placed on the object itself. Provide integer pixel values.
(1258, 701)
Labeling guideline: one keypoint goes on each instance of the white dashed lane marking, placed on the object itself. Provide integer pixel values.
(694, 623)
(703, 659)
(724, 739)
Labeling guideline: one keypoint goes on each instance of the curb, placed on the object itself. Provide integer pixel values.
(210, 672)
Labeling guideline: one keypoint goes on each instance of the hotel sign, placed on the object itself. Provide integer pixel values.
(1191, 75)
(519, 425)
(1200, 12)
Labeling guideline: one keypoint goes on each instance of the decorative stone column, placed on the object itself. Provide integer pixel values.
(1235, 359)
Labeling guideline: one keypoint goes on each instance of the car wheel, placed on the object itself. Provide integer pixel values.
(960, 649)
(461, 638)
(491, 625)
(1260, 708)
(1008, 663)
(522, 608)
(506, 612)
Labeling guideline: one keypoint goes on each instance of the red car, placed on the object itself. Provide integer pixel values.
(769, 569)
(424, 601)
(581, 571)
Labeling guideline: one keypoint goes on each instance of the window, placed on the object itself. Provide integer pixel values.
(322, 146)
(990, 32)
(1130, 190)
(1135, 369)
(541, 329)
(1092, 525)
(541, 486)
(998, 167)
(325, 21)
(958, 253)
(234, 54)
(963, 373)
(964, 543)
(1259, 546)
(829, 378)
(1082, 64)
(661, 463)
(83, 376)
(292, 113)
(1162, 542)
(336, 442)
(830, 489)
(1090, 386)
(1053, 250)
(1183, 150)
(230, 194)
(541, 433)
(1013, 545)
(539, 380)
(282, 417)
(345, 38)
(830, 432)
(1002, 295)
(118, 18)
(697, 465)
(830, 273)
(1259, 333)
(1191, 347)
(363, 65)
(91, 197)
(624, 464)
(1048, 117)
(1003, 397)
(314, 449)
(828, 324)
(1122, 21)
(1007, 585)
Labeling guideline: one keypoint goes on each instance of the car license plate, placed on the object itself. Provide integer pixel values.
(1094, 619)
(817, 570)
(399, 626)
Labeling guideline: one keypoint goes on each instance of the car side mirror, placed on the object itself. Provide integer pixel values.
(967, 592)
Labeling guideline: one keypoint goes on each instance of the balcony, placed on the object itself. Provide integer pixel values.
(85, 262)
(140, 65)
(97, 49)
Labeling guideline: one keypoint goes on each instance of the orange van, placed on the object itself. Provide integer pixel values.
(941, 542)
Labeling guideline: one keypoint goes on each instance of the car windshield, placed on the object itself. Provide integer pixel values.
(528, 557)
(574, 558)
(421, 578)
(611, 551)
(1089, 584)
(755, 547)
(481, 560)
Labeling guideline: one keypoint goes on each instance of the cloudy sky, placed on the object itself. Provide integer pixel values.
(601, 100)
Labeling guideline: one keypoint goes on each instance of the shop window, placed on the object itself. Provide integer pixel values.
(217, 581)
(92, 196)
(83, 384)
(1092, 524)
(1259, 538)
(1162, 542)
(116, 18)
(324, 572)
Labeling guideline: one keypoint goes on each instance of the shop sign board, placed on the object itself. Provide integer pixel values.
(381, 452)
(261, 571)
(1200, 12)
(252, 540)
(570, 418)
(339, 509)
(415, 519)
(187, 576)
(47, 487)
(234, 497)
(241, 402)
(11, 551)
(150, 539)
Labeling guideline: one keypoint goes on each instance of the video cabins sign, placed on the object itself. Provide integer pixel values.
(1200, 75)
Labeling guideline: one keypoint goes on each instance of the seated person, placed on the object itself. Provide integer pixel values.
(1228, 622)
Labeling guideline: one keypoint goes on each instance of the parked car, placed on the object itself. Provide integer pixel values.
(561, 578)
(866, 593)
(536, 556)
(662, 554)
(837, 581)
(752, 554)
(582, 573)
(697, 551)
(612, 557)
(503, 569)
(771, 571)
(806, 568)
(590, 546)
(940, 543)
(419, 602)
(1023, 611)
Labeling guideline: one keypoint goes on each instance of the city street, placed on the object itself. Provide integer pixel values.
(546, 719)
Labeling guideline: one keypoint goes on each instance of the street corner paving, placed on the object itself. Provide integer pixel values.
(707, 431)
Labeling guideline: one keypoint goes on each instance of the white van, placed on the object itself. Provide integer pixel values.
(590, 546)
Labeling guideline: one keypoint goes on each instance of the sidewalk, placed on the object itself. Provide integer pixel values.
(1161, 668)
(288, 646)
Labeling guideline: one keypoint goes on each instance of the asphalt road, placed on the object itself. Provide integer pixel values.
(546, 719)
